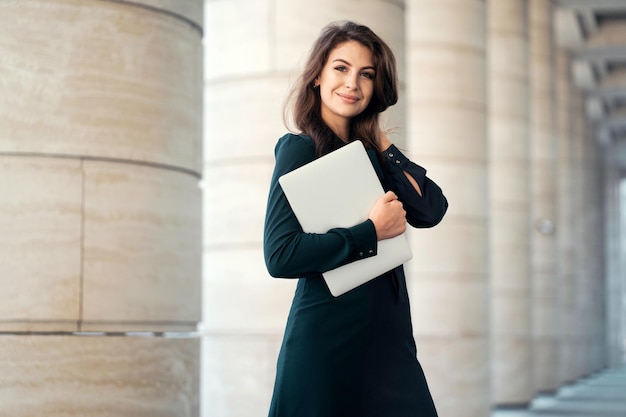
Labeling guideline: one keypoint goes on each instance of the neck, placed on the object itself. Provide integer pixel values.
(342, 131)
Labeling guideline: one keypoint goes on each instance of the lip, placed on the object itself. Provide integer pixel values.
(348, 98)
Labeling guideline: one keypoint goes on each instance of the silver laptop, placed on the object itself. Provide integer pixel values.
(345, 178)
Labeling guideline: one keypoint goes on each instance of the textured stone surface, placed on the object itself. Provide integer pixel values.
(100, 210)
(186, 9)
(234, 203)
(543, 195)
(40, 247)
(509, 197)
(229, 305)
(447, 108)
(98, 376)
(461, 363)
(115, 81)
(142, 257)
(294, 37)
(243, 120)
(232, 364)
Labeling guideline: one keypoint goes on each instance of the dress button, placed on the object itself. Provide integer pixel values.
(360, 253)
(397, 161)
(390, 155)
(371, 252)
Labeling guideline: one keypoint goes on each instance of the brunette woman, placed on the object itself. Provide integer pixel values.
(353, 355)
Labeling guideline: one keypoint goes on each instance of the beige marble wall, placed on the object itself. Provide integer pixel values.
(98, 376)
(100, 160)
(118, 81)
(118, 84)
(189, 10)
(249, 70)
(141, 246)
(543, 197)
(447, 114)
(509, 196)
(40, 247)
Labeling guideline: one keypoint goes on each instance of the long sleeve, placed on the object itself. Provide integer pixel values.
(422, 211)
(291, 253)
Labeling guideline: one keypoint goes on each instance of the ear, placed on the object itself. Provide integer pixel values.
(316, 83)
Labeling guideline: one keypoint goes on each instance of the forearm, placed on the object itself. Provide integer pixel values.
(291, 253)
(423, 200)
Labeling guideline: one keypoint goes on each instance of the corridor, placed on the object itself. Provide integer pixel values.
(600, 395)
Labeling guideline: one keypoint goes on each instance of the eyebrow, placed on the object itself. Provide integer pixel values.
(347, 63)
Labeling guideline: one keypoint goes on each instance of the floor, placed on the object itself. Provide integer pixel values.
(601, 395)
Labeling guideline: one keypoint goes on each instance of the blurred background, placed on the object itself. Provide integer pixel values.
(136, 149)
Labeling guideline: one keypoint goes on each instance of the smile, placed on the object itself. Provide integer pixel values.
(348, 98)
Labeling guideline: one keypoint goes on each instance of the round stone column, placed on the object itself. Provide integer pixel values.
(254, 52)
(509, 198)
(594, 219)
(447, 114)
(579, 342)
(615, 285)
(100, 255)
(566, 327)
(543, 197)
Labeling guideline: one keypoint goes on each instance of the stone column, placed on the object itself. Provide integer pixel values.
(509, 203)
(543, 200)
(584, 281)
(594, 202)
(579, 367)
(614, 286)
(622, 260)
(447, 112)
(566, 323)
(254, 52)
(100, 210)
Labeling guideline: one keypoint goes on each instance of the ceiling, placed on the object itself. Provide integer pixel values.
(594, 32)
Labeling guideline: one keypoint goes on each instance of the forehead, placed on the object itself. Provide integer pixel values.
(353, 52)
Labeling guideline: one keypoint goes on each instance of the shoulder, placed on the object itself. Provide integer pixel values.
(293, 143)
(294, 150)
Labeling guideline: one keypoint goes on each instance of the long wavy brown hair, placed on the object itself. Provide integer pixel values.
(304, 100)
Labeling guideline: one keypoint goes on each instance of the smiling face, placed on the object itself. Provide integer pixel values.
(346, 85)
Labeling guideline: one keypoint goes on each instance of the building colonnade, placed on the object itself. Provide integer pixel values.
(509, 293)
(108, 186)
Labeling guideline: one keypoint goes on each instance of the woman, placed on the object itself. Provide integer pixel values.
(354, 355)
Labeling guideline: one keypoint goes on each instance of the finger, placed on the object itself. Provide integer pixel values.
(397, 203)
(390, 196)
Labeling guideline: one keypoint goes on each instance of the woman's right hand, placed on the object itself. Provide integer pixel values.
(388, 216)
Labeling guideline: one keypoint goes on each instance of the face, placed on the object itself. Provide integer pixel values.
(346, 85)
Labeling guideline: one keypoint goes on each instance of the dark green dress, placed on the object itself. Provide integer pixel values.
(354, 355)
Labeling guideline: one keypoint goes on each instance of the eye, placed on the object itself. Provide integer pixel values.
(368, 75)
(341, 68)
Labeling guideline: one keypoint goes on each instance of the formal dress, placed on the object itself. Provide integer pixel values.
(353, 355)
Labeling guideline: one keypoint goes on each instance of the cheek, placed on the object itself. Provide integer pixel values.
(325, 93)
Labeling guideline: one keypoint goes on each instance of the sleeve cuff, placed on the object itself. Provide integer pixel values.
(395, 158)
(364, 238)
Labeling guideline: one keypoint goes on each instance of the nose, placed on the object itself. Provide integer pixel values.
(352, 81)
